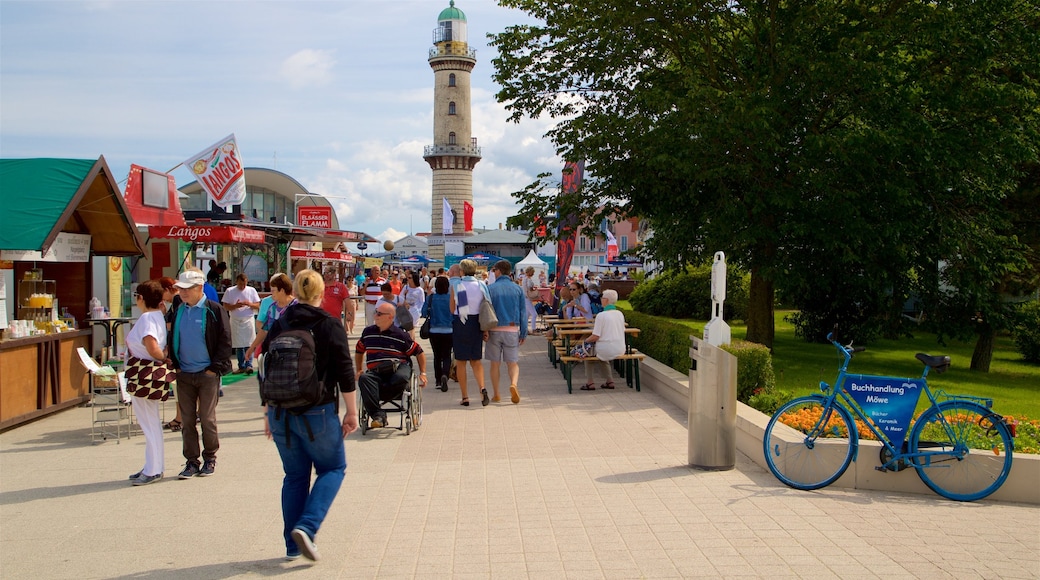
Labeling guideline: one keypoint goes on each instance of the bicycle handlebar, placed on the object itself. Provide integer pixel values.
(847, 350)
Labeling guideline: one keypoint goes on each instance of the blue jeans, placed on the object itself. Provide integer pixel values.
(245, 360)
(303, 506)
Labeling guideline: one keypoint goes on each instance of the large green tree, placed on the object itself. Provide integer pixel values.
(799, 137)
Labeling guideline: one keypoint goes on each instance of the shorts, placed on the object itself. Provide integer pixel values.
(503, 346)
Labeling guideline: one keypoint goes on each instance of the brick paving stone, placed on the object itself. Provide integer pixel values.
(588, 485)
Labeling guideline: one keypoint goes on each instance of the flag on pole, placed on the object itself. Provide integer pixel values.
(220, 172)
(612, 247)
(467, 208)
(447, 218)
(567, 232)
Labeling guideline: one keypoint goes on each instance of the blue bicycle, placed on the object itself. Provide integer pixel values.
(960, 448)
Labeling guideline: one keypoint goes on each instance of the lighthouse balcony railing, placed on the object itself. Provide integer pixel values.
(468, 150)
(453, 49)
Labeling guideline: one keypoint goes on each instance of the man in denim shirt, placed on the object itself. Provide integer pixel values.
(503, 341)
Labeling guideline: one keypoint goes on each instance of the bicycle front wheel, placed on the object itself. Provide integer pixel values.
(961, 450)
(809, 445)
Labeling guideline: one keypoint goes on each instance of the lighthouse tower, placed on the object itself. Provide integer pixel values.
(454, 152)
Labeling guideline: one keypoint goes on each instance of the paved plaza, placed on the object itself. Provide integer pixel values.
(587, 485)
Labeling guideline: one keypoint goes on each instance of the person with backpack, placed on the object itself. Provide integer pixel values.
(306, 361)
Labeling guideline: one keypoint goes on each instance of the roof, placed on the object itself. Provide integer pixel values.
(451, 13)
(498, 237)
(533, 260)
(44, 197)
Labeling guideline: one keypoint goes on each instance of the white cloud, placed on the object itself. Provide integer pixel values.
(308, 68)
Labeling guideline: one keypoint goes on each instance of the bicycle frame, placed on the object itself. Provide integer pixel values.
(898, 458)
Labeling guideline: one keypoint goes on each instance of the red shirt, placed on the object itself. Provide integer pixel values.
(335, 295)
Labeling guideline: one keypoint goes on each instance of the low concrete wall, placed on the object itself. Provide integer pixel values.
(1021, 485)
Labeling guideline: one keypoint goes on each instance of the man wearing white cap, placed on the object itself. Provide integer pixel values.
(200, 348)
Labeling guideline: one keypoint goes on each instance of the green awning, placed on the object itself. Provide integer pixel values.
(44, 197)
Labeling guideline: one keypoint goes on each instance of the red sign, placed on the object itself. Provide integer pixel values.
(319, 255)
(208, 234)
(314, 217)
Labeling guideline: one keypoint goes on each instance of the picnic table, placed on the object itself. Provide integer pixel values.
(626, 364)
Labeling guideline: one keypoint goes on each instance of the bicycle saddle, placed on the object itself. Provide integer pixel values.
(939, 362)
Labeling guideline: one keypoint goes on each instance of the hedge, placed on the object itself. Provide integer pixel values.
(669, 343)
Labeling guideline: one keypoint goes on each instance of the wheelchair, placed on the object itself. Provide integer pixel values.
(408, 406)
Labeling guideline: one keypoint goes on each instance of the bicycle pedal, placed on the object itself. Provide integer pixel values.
(881, 468)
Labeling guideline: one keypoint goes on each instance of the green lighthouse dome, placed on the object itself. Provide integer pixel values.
(451, 13)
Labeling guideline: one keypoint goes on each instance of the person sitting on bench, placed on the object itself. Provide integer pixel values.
(608, 335)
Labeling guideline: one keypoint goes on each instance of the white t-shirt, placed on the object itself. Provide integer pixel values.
(149, 324)
(610, 328)
(233, 295)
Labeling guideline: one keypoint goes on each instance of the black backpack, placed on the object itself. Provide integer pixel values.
(289, 373)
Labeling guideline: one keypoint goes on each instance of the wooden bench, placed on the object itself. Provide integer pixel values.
(627, 366)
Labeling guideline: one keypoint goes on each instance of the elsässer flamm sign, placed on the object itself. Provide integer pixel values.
(888, 401)
(220, 172)
(314, 217)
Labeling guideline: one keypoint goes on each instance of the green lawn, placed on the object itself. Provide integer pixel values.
(1013, 384)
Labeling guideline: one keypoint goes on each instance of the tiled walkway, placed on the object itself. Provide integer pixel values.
(588, 485)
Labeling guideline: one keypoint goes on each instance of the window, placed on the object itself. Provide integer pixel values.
(451, 108)
(581, 243)
(623, 243)
(451, 138)
(451, 80)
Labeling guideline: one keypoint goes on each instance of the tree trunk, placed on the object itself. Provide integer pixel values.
(760, 327)
(983, 353)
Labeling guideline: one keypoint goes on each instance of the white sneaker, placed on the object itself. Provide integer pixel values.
(305, 544)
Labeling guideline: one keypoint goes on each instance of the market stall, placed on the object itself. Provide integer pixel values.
(59, 214)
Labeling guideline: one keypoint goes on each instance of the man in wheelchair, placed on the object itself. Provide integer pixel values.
(388, 351)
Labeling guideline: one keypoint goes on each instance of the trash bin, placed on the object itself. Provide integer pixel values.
(713, 407)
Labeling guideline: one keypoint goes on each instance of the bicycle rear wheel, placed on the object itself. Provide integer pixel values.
(808, 445)
(966, 451)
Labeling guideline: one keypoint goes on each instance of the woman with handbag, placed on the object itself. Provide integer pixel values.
(468, 339)
(146, 349)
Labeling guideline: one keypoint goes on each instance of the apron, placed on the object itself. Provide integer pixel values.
(243, 331)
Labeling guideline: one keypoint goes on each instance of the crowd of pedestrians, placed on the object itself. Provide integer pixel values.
(187, 328)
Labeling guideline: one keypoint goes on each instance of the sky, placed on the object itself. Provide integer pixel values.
(337, 94)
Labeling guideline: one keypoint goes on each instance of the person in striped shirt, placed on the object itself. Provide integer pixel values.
(385, 352)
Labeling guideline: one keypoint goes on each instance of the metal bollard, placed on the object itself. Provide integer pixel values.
(713, 407)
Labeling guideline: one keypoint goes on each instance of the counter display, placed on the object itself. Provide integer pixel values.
(41, 374)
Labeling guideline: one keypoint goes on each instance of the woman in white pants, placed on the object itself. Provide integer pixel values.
(147, 340)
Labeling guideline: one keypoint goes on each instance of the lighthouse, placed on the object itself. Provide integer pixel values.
(454, 152)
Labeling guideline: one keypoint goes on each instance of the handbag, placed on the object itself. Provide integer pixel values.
(149, 379)
(424, 330)
(486, 315)
(488, 319)
(403, 316)
(584, 350)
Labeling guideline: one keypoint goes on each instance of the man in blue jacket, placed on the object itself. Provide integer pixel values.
(200, 348)
(503, 341)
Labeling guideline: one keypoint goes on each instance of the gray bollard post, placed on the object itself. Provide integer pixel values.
(713, 407)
